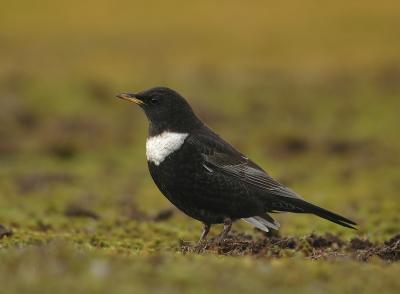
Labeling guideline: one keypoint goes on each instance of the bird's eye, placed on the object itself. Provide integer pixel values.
(154, 101)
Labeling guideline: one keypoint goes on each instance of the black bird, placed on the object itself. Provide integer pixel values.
(206, 177)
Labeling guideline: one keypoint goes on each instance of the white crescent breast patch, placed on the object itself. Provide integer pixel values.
(160, 146)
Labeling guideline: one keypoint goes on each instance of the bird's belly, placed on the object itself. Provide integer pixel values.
(199, 193)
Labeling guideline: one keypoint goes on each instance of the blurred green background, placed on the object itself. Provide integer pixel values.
(310, 90)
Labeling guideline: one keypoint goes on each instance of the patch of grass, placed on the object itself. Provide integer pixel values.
(62, 268)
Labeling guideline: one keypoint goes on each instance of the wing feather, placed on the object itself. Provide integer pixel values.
(247, 171)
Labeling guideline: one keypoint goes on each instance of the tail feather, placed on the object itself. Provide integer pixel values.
(301, 206)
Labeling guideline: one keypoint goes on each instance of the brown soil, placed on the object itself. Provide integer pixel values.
(78, 211)
(4, 232)
(326, 246)
(36, 181)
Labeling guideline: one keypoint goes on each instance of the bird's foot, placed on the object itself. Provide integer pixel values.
(203, 238)
(224, 234)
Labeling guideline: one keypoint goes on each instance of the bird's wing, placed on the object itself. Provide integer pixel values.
(247, 171)
(220, 156)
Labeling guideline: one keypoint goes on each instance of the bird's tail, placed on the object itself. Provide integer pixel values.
(301, 206)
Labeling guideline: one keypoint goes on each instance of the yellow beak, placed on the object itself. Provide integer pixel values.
(130, 97)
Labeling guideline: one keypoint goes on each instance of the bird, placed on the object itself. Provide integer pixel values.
(207, 178)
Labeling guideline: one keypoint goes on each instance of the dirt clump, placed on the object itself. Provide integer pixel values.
(74, 210)
(36, 181)
(359, 244)
(327, 240)
(4, 232)
(163, 215)
(391, 249)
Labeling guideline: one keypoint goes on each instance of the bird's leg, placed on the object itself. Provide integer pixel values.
(225, 231)
(206, 229)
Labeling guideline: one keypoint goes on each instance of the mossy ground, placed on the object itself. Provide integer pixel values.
(309, 91)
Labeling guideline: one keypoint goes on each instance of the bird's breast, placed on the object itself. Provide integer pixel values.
(159, 147)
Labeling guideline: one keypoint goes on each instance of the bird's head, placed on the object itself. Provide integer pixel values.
(165, 109)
